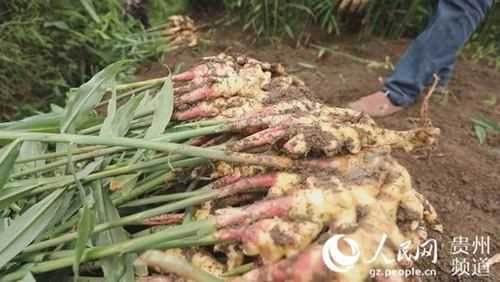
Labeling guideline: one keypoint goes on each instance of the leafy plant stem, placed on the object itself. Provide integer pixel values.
(133, 245)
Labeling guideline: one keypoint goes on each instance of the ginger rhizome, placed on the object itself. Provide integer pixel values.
(340, 178)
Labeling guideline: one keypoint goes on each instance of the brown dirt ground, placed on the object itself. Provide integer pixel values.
(461, 178)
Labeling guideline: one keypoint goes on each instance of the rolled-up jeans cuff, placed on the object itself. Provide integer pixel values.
(397, 99)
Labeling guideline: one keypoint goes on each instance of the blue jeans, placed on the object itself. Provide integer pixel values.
(435, 50)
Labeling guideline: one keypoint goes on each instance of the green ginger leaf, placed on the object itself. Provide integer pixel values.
(89, 95)
(8, 156)
(26, 228)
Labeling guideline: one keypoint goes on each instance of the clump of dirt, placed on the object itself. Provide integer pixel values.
(460, 177)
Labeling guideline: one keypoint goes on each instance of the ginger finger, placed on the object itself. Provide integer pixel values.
(200, 73)
(273, 239)
(204, 92)
(264, 137)
(306, 266)
(246, 184)
(196, 112)
(195, 265)
(316, 205)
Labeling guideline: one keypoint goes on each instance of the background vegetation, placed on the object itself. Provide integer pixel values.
(48, 46)
(389, 18)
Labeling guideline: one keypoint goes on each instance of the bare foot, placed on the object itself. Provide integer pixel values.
(375, 105)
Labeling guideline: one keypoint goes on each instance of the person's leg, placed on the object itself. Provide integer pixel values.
(435, 50)
(445, 75)
(445, 72)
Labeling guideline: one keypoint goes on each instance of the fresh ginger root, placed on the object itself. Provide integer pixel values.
(303, 133)
(196, 257)
(369, 228)
(248, 92)
(364, 207)
(341, 179)
(181, 31)
(310, 266)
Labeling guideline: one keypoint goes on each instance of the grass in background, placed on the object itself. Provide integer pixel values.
(394, 19)
(485, 43)
(49, 46)
(388, 18)
(277, 17)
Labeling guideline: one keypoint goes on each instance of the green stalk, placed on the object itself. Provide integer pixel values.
(141, 123)
(140, 83)
(172, 264)
(172, 137)
(127, 220)
(38, 257)
(191, 241)
(144, 188)
(63, 227)
(162, 199)
(133, 245)
(190, 162)
(201, 123)
(194, 241)
(58, 155)
(98, 152)
(170, 197)
(147, 186)
(188, 213)
(196, 132)
(272, 161)
(97, 127)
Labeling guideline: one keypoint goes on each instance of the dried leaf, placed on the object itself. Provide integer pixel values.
(307, 66)
(124, 183)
